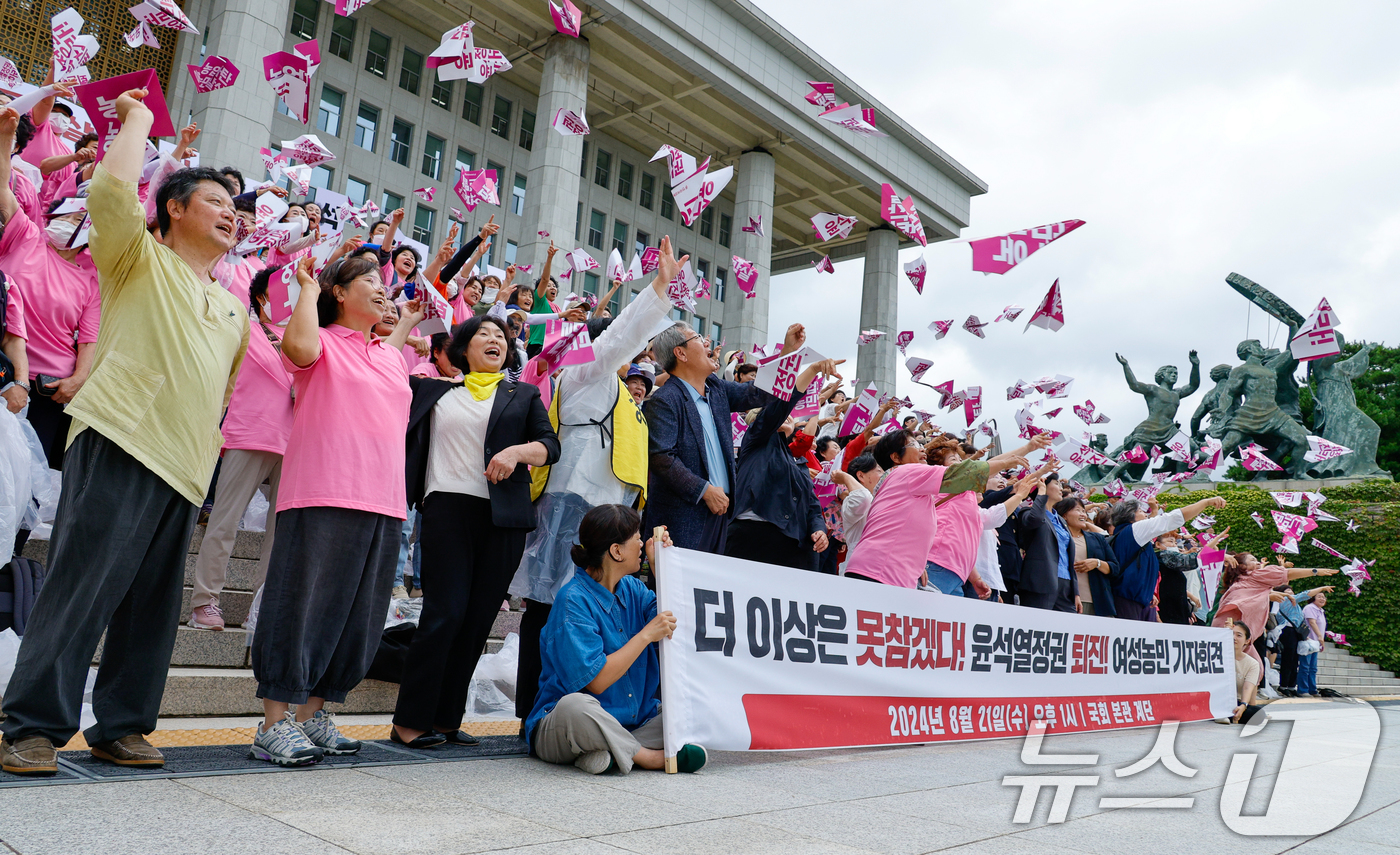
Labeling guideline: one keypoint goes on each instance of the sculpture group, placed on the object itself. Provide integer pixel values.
(1256, 402)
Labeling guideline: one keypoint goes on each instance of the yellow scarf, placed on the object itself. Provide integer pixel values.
(482, 384)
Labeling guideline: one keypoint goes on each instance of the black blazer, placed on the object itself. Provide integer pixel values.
(517, 416)
(774, 484)
(1100, 585)
(1040, 570)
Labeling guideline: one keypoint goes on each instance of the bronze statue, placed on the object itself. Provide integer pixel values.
(1162, 403)
(1259, 416)
(1215, 405)
(1338, 419)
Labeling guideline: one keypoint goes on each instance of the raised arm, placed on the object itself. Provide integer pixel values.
(409, 318)
(9, 124)
(40, 114)
(1195, 382)
(1012, 458)
(444, 255)
(545, 272)
(301, 343)
(1140, 388)
(602, 304)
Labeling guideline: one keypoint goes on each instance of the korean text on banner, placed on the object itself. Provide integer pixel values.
(846, 663)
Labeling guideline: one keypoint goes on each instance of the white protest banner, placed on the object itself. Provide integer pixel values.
(861, 412)
(754, 665)
(777, 375)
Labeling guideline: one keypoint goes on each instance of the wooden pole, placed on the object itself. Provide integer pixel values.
(657, 534)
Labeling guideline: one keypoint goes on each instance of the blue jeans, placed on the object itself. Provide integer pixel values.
(944, 580)
(406, 532)
(1307, 674)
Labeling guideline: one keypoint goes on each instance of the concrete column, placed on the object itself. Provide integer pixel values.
(879, 303)
(551, 193)
(753, 197)
(236, 121)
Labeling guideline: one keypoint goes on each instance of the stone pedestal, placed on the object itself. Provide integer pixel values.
(879, 303)
(753, 197)
(551, 200)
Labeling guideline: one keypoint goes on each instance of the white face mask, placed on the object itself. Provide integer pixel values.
(59, 123)
(59, 232)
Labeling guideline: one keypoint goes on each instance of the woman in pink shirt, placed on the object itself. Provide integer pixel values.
(903, 520)
(1248, 583)
(255, 429)
(62, 305)
(332, 568)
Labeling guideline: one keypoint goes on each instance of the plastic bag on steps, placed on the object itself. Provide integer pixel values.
(492, 691)
(255, 516)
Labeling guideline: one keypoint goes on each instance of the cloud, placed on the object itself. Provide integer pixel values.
(1194, 139)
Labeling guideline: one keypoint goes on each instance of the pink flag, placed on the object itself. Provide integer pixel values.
(99, 98)
(217, 72)
(828, 226)
(902, 340)
(940, 328)
(1003, 252)
(282, 293)
(825, 265)
(916, 270)
(566, 344)
(1050, 314)
(974, 326)
(290, 76)
(568, 19)
(569, 123)
(902, 215)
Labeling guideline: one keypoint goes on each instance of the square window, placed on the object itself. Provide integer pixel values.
(615, 302)
(590, 283)
(699, 325)
(328, 117)
(411, 71)
(423, 224)
(366, 126)
(643, 241)
(471, 104)
(717, 287)
(512, 252)
(322, 177)
(527, 130)
(442, 94)
(620, 237)
(517, 196)
(726, 224)
(648, 193)
(432, 156)
(500, 118)
(390, 202)
(400, 142)
(602, 169)
(304, 15)
(597, 221)
(707, 223)
(377, 54)
(465, 159)
(716, 333)
(624, 179)
(356, 190)
(342, 43)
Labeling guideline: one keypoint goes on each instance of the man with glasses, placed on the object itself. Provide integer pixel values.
(691, 473)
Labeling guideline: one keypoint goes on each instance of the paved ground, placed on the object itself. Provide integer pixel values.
(945, 798)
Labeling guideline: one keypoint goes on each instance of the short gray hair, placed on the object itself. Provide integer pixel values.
(1124, 513)
(665, 344)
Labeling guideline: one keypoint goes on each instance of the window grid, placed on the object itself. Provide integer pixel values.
(377, 54)
(668, 203)
(624, 179)
(366, 126)
(304, 16)
(432, 156)
(400, 142)
(717, 287)
(517, 195)
(471, 102)
(619, 242)
(647, 196)
(500, 118)
(597, 221)
(527, 130)
(465, 159)
(391, 203)
(342, 43)
(328, 117)
(356, 190)
(423, 224)
(642, 242)
(726, 224)
(602, 169)
(411, 70)
(442, 94)
(707, 223)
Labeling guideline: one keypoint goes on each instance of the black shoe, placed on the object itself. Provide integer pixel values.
(460, 737)
(427, 740)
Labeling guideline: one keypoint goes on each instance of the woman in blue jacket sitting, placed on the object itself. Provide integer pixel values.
(599, 704)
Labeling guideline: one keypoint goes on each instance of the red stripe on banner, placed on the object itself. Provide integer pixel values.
(778, 722)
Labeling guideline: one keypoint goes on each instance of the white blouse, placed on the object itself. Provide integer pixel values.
(457, 448)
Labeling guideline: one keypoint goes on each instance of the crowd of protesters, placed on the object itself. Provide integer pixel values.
(465, 465)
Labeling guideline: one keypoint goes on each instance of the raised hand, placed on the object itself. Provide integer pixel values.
(794, 339)
(669, 264)
(189, 133)
(487, 230)
(128, 101)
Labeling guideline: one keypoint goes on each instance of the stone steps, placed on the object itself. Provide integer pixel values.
(1352, 675)
(232, 692)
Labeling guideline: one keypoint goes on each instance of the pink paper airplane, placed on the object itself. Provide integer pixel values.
(568, 18)
(1010, 313)
(828, 226)
(903, 339)
(1086, 413)
(1050, 314)
(975, 326)
(916, 270)
(1353, 525)
(1003, 252)
(755, 226)
(902, 214)
(940, 328)
(217, 72)
(823, 95)
(825, 265)
(425, 193)
(867, 336)
(745, 275)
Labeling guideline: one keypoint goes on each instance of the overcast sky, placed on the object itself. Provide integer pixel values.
(1194, 138)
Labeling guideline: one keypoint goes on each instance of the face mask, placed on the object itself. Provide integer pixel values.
(59, 123)
(59, 232)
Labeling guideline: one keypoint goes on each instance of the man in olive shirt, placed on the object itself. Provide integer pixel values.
(143, 445)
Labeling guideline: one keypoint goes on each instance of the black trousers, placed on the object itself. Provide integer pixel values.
(1288, 657)
(323, 606)
(116, 563)
(468, 563)
(51, 422)
(754, 540)
(528, 668)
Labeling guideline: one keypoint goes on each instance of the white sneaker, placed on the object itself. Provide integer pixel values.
(594, 762)
(284, 744)
(400, 593)
(323, 733)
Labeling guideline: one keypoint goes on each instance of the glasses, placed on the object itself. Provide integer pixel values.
(697, 337)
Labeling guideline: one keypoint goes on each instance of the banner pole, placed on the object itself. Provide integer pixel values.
(669, 747)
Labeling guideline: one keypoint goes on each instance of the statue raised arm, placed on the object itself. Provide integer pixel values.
(1140, 388)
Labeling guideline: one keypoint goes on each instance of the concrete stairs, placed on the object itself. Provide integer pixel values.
(1352, 675)
(210, 672)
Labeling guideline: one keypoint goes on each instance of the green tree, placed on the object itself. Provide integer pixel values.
(1378, 396)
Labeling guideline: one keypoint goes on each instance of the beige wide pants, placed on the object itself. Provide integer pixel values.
(579, 724)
